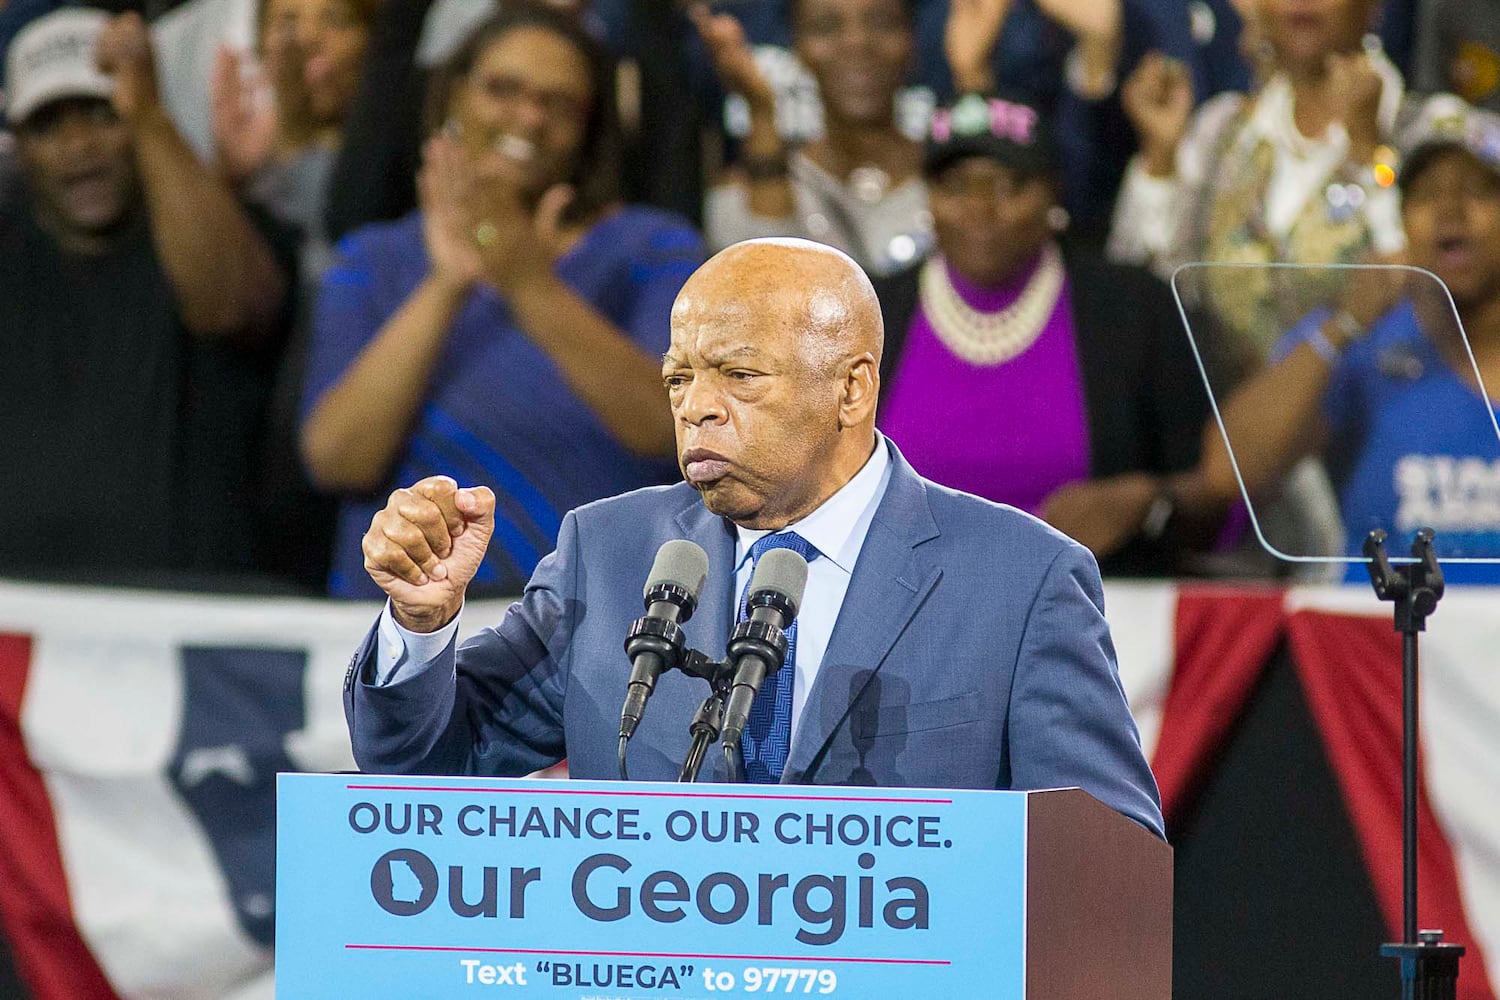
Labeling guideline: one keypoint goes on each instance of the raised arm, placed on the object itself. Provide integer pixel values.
(763, 172)
(495, 707)
(969, 36)
(222, 270)
(1273, 420)
(1097, 27)
(1158, 100)
(1277, 416)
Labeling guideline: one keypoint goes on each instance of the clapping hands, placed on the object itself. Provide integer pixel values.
(479, 227)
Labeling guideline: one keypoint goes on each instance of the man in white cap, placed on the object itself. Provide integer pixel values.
(139, 313)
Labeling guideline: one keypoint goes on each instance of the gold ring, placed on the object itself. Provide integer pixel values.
(486, 234)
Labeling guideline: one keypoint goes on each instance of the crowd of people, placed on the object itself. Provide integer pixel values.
(264, 261)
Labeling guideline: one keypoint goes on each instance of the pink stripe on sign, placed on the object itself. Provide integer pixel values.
(521, 790)
(647, 954)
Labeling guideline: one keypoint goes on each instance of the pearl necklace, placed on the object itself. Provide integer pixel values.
(990, 338)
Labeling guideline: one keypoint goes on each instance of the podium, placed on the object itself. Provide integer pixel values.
(460, 887)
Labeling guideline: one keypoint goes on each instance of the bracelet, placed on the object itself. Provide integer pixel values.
(764, 168)
(1350, 327)
(1318, 341)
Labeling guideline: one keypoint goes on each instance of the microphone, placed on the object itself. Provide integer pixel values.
(655, 642)
(757, 646)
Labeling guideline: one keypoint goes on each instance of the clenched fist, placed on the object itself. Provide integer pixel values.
(1158, 99)
(425, 546)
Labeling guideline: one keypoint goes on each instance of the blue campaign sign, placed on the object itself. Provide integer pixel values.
(457, 887)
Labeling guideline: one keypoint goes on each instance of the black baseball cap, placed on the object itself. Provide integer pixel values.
(1006, 130)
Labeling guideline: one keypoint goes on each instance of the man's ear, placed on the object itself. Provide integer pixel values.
(860, 391)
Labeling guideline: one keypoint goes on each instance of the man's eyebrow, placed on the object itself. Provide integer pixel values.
(669, 360)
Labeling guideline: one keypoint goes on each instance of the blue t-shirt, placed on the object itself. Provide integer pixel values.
(498, 412)
(1412, 445)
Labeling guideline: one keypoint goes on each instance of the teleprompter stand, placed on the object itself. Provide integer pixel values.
(1429, 966)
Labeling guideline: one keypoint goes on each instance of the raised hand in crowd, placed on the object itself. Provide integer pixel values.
(973, 29)
(969, 36)
(1097, 27)
(1372, 291)
(244, 118)
(1158, 99)
(444, 192)
(261, 109)
(763, 154)
(356, 431)
(224, 274)
(733, 60)
(425, 546)
(1355, 87)
(124, 53)
(1085, 18)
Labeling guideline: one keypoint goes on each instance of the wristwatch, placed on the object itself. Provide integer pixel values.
(1158, 515)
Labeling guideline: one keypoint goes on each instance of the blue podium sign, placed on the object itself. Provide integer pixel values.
(459, 887)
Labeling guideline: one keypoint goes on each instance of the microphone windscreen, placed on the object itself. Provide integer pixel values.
(679, 562)
(783, 571)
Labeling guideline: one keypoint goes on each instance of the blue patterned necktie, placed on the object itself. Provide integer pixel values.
(767, 740)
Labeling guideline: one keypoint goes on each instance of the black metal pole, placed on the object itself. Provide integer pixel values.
(1429, 966)
(1409, 775)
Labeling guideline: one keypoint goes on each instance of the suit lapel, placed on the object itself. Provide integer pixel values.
(890, 582)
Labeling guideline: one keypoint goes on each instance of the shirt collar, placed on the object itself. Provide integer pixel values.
(831, 528)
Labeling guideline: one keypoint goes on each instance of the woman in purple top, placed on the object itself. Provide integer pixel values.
(1036, 375)
(509, 333)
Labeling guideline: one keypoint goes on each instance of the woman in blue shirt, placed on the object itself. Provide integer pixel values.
(1383, 384)
(508, 332)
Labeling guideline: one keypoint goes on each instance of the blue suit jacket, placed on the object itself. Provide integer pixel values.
(971, 651)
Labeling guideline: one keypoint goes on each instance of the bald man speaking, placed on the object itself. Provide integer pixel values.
(943, 641)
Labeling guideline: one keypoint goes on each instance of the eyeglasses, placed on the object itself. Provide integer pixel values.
(556, 105)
